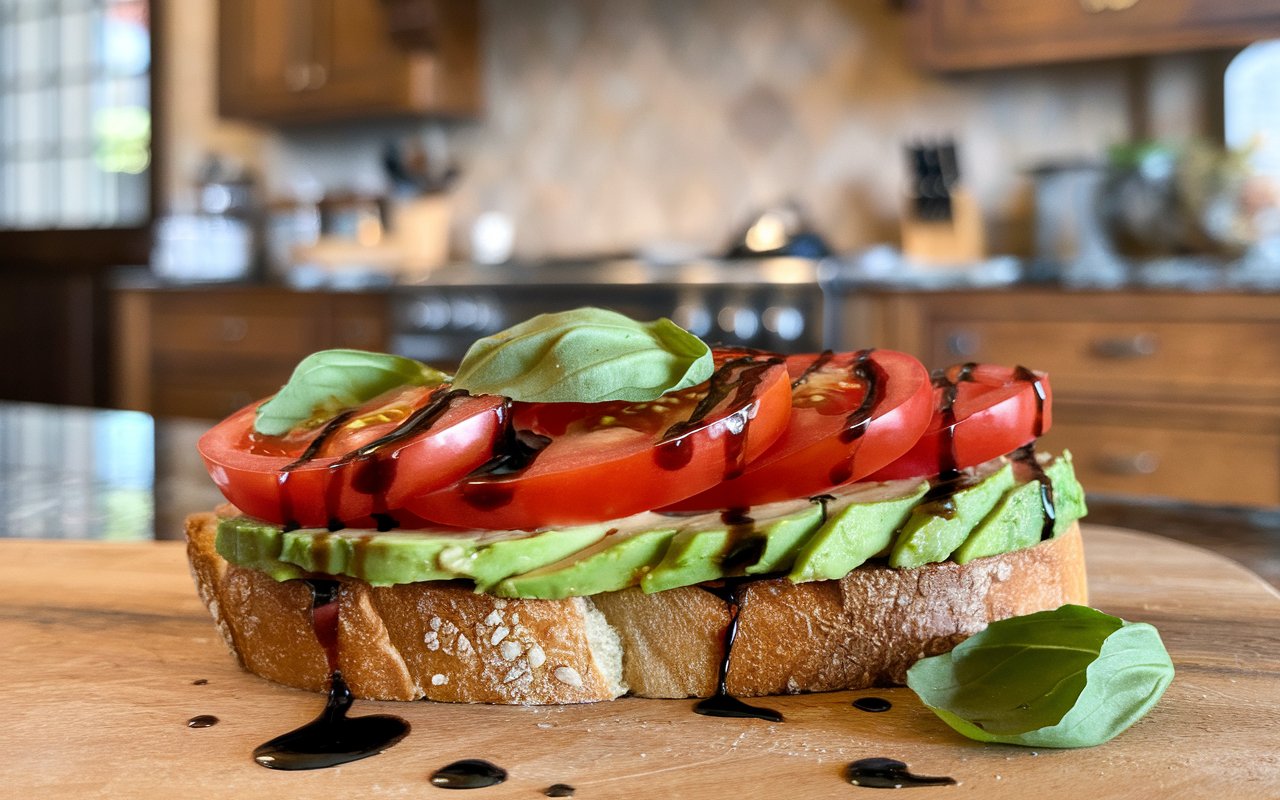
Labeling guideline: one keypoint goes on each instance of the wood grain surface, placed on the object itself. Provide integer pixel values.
(102, 643)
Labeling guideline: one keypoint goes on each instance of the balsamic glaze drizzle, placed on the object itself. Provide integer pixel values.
(373, 474)
(888, 773)
(737, 376)
(1026, 456)
(723, 704)
(817, 364)
(333, 737)
(875, 705)
(469, 773)
(514, 452)
(203, 721)
(855, 425)
(947, 470)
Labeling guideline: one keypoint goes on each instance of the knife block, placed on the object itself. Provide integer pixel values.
(955, 242)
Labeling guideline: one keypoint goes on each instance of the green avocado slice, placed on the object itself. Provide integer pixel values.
(811, 540)
(614, 563)
(257, 545)
(1017, 521)
(1068, 494)
(713, 545)
(860, 525)
(382, 559)
(493, 558)
(935, 529)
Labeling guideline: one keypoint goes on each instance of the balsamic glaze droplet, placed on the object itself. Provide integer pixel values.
(738, 377)
(723, 704)
(875, 705)
(469, 773)
(332, 738)
(200, 682)
(1025, 456)
(203, 721)
(559, 790)
(888, 773)
(874, 378)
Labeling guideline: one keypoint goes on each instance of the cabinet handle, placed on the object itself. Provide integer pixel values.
(1143, 462)
(1100, 6)
(963, 344)
(1139, 345)
(234, 329)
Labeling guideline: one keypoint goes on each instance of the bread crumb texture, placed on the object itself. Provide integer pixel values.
(442, 641)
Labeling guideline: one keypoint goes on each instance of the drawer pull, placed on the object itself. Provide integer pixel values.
(1140, 345)
(234, 329)
(1141, 463)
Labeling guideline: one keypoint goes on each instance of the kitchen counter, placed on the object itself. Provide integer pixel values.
(71, 473)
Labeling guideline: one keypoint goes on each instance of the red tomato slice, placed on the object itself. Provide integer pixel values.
(981, 411)
(364, 463)
(575, 463)
(852, 413)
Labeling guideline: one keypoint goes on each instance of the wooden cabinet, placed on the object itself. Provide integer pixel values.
(304, 60)
(1163, 394)
(206, 352)
(980, 34)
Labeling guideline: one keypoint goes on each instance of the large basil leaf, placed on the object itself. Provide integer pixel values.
(588, 355)
(1074, 677)
(326, 383)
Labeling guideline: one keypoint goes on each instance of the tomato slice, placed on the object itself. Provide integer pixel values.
(359, 466)
(574, 463)
(851, 414)
(981, 411)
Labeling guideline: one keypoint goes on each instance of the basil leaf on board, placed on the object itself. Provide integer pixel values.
(328, 382)
(588, 355)
(1073, 677)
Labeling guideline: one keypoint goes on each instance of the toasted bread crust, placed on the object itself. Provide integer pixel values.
(441, 641)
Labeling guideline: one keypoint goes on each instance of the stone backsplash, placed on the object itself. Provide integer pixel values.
(614, 125)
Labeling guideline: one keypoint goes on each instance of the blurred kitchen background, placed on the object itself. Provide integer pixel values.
(196, 193)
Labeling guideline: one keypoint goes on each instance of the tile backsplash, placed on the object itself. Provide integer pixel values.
(614, 125)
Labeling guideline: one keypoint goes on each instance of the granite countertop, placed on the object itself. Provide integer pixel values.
(75, 473)
(880, 269)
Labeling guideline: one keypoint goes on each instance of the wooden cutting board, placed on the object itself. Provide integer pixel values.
(101, 644)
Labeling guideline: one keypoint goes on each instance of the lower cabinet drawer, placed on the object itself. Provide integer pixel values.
(1218, 467)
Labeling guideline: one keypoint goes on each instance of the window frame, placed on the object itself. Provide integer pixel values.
(94, 248)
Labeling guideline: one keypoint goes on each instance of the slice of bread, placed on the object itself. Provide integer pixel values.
(442, 641)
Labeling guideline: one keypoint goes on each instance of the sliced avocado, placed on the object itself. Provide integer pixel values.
(493, 558)
(860, 525)
(1068, 494)
(250, 543)
(1017, 521)
(936, 528)
(714, 545)
(382, 559)
(616, 562)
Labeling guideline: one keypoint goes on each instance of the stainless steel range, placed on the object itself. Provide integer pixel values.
(773, 304)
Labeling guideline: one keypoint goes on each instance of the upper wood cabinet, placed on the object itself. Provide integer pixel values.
(284, 61)
(981, 34)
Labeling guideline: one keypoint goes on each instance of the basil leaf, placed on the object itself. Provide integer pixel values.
(328, 382)
(1074, 677)
(588, 355)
